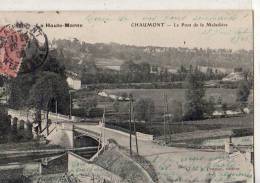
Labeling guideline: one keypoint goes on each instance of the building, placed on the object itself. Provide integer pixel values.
(234, 76)
(155, 69)
(73, 80)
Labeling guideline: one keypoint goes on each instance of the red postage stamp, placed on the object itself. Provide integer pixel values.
(12, 47)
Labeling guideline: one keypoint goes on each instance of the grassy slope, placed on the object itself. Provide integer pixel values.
(112, 160)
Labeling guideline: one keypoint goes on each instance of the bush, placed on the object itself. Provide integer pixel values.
(81, 112)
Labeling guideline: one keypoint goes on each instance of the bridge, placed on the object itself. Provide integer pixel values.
(60, 131)
(70, 133)
(29, 116)
(165, 159)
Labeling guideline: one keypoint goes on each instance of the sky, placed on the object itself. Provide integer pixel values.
(115, 26)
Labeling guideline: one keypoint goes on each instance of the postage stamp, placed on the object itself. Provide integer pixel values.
(23, 48)
(12, 46)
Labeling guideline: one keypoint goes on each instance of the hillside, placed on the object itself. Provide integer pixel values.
(112, 55)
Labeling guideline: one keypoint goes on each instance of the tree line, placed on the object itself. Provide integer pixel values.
(195, 107)
(172, 56)
(131, 72)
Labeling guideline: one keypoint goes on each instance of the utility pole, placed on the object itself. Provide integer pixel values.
(102, 134)
(70, 104)
(93, 178)
(47, 120)
(56, 106)
(130, 127)
(104, 124)
(167, 121)
(136, 141)
(164, 117)
(56, 112)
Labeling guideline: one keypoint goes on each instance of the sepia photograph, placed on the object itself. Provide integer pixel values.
(127, 96)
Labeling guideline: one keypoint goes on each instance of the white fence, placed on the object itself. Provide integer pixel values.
(140, 136)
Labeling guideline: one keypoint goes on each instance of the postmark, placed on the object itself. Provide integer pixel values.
(24, 48)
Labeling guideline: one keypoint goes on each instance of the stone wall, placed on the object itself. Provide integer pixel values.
(15, 171)
(81, 166)
(54, 165)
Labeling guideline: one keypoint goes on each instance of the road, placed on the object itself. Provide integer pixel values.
(171, 164)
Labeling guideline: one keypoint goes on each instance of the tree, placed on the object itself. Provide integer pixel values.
(175, 108)
(224, 108)
(145, 71)
(87, 104)
(144, 109)
(48, 88)
(116, 105)
(21, 85)
(195, 92)
(210, 106)
(131, 71)
(209, 74)
(1, 81)
(243, 92)
(182, 71)
(19, 90)
(4, 124)
(90, 73)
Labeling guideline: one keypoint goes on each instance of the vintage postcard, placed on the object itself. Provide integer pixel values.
(127, 97)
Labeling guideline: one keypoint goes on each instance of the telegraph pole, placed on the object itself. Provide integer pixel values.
(167, 112)
(136, 141)
(164, 117)
(70, 104)
(102, 134)
(104, 124)
(56, 106)
(130, 127)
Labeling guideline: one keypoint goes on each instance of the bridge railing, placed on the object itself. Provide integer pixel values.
(101, 150)
(19, 113)
(30, 114)
(58, 116)
(103, 143)
(87, 131)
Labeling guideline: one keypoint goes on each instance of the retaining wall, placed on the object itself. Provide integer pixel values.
(81, 166)
(15, 171)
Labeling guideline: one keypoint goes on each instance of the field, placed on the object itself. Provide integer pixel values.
(228, 95)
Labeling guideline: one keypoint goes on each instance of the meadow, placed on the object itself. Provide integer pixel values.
(228, 96)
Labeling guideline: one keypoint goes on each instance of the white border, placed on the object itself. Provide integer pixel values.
(45, 5)
(256, 5)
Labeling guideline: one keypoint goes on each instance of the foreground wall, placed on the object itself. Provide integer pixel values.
(16, 171)
(80, 166)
